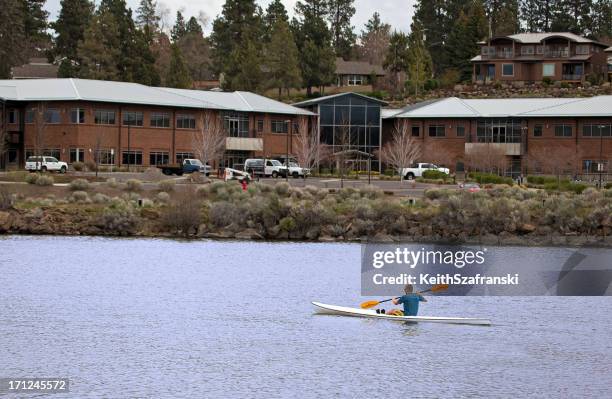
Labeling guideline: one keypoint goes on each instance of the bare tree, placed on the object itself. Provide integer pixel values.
(210, 139)
(40, 118)
(308, 150)
(402, 150)
(486, 158)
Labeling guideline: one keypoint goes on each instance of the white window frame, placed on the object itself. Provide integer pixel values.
(554, 69)
(502, 71)
(78, 119)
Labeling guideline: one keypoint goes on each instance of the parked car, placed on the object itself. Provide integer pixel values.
(264, 167)
(275, 168)
(470, 187)
(297, 171)
(188, 166)
(255, 167)
(45, 164)
(417, 169)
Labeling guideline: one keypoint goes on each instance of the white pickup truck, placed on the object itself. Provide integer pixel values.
(44, 164)
(417, 169)
(297, 171)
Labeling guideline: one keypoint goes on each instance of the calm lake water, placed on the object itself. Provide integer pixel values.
(161, 318)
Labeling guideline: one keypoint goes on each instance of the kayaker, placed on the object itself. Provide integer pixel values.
(410, 300)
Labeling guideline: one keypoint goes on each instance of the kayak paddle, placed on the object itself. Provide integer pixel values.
(435, 288)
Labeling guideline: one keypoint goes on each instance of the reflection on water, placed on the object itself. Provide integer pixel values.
(161, 318)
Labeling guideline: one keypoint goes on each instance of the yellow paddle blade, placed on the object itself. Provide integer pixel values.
(439, 287)
(369, 304)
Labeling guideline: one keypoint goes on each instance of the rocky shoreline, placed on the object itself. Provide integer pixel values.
(45, 222)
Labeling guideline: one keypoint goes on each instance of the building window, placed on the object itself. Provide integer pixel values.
(52, 152)
(582, 49)
(280, 126)
(132, 157)
(77, 155)
(548, 70)
(184, 121)
(236, 124)
(29, 116)
(106, 157)
(537, 131)
(436, 131)
(159, 119)
(159, 158)
(597, 130)
(355, 80)
(133, 118)
(507, 69)
(260, 125)
(52, 115)
(540, 50)
(460, 131)
(563, 131)
(181, 156)
(597, 166)
(13, 155)
(416, 131)
(13, 116)
(527, 50)
(104, 117)
(77, 115)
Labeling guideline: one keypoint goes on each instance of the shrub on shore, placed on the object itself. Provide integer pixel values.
(6, 198)
(112, 182)
(78, 166)
(489, 178)
(133, 185)
(80, 197)
(40, 180)
(166, 185)
(79, 185)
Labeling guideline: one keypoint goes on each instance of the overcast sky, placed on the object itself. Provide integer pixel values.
(398, 13)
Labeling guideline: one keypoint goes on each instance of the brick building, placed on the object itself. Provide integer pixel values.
(533, 57)
(529, 135)
(133, 124)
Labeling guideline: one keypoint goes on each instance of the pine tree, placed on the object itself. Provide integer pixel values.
(35, 25)
(146, 15)
(470, 28)
(178, 74)
(420, 66)
(375, 40)
(248, 74)
(12, 37)
(340, 13)
(73, 19)
(397, 59)
(432, 15)
(602, 20)
(573, 16)
(276, 11)
(282, 58)
(179, 29)
(193, 26)
(99, 49)
(504, 16)
(313, 39)
(196, 52)
(237, 31)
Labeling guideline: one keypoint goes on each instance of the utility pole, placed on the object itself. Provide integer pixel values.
(600, 164)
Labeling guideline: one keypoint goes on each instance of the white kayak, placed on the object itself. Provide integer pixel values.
(344, 311)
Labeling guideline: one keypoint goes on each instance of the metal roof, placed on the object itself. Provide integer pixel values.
(454, 107)
(318, 100)
(609, 49)
(134, 93)
(242, 101)
(357, 68)
(537, 37)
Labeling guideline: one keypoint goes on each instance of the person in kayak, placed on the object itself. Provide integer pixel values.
(410, 300)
